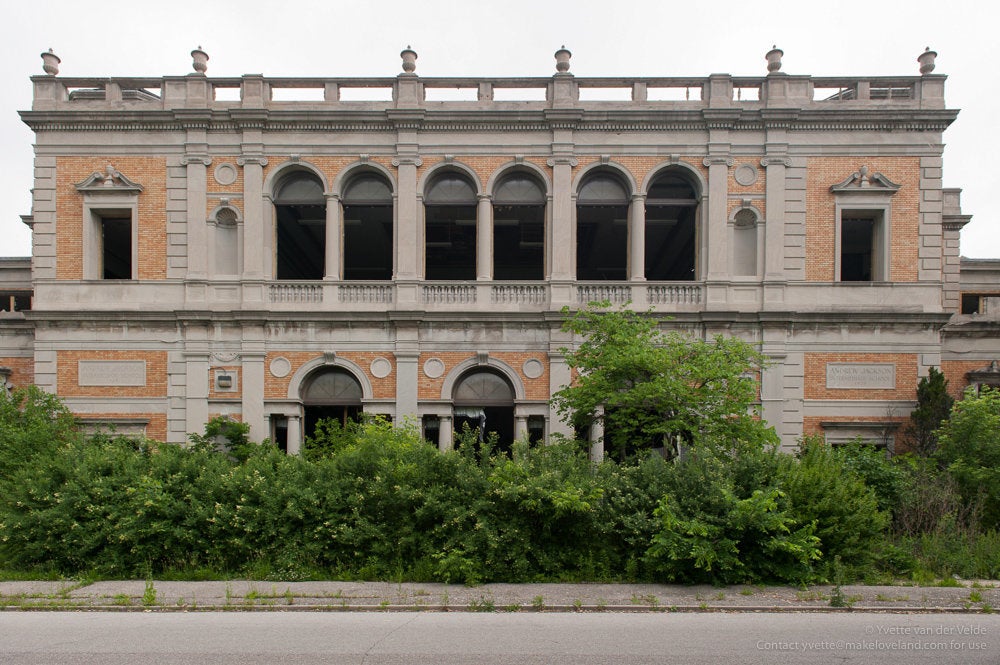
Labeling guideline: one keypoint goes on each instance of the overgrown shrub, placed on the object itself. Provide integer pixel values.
(969, 448)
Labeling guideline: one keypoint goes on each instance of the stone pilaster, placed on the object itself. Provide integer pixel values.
(484, 238)
(334, 238)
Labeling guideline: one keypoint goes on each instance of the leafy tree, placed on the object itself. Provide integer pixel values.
(652, 388)
(969, 448)
(933, 406)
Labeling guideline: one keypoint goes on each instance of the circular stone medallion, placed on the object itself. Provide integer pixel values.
(433, 368)
(225, 174)
(532, 368)
(280, 367)
(381, 368)
(745, 175)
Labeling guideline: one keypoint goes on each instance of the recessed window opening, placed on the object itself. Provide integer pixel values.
(368, 250)
(116, 244)
(300, 209)
(485, 401)
(519, 228)
(450, 228)
(745, 243)
(671, 221)
(859, 247)
(332, 394)
(602, 229)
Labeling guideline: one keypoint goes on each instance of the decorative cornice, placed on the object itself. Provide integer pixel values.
(862, 181)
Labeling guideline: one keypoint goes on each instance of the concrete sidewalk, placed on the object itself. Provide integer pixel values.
(241, 595)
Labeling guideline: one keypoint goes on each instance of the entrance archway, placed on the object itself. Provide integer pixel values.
(330, 392)
(485, 401)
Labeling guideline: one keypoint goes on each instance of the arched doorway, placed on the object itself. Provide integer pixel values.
(330, 393)
(485, 401)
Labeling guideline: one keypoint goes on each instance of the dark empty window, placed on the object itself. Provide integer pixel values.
(333, 394)
(116, 246)
(484, 401)
(15, 302)
(450, 228)
(671, 221)
(602, 228)
(858, 248)
(367, 228)
(300, 208)
(519, 228)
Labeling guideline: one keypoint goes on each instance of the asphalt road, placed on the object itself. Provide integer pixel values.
(370, 638)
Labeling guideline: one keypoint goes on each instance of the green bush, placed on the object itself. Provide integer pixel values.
(969, 448)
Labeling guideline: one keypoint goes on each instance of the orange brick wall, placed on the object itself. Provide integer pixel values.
(236, 187)
(22, 370)
(225, 394)
(811, 424)
(640, 167)
(537, 389)
(822, 173)
(156, 429)
(954, 371)
(906, 376)
(277, 388)
(67, 374)
(759, 187)
(151, 173)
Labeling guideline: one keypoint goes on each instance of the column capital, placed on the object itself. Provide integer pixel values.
(562, 161)
(718, 160)
(407, 161)
(259, 160)
(484, 197)
(204, 160)
(776, 161)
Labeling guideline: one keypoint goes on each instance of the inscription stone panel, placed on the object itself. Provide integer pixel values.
(864, 376)
(111, 373)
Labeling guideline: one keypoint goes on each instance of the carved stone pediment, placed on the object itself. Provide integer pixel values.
(111, 180)
(863, 181)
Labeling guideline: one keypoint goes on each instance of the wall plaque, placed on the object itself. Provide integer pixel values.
(111, 373)
(864, 376)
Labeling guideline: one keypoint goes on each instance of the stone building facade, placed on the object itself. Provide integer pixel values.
(279, 250)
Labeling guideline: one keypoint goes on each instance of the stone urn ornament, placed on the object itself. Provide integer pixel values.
(926, 60)
(199, 61)
(409, 57)
(50, 63)
(562, 59)
(774, 59)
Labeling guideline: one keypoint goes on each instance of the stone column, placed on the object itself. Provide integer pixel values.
(484, 238)
(254, 226)
(197, 203)
(718, 227)
(597, 439)
(520, 427)
(334, 238)
(446, 439)
(637, 238)
(294, 435)
(561, 245)
(774, 225)
(408, 248)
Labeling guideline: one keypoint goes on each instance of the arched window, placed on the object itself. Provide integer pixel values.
(518, 228)
(300, 210)
(227, 242)
(485, 400)
(602, 228)
(450, 228)
(745, 243)
(367, 204)
(331, 393)
(671, 216)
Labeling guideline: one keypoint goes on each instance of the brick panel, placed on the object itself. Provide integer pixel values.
(823, 172)
(954, 371)
(906, 376)
(277, 387)
(535, 389)
(22, 370)
(67, 375)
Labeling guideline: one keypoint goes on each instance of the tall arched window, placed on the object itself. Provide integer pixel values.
(331, 393)
(519, 228)
(485, 401)
(367, 204)
(602, 228)
(671, 216)
(300, 210)
(450, 228)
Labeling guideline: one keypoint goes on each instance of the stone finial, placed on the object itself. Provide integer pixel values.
(409, 57)
(50, 62)
(199, 60)
(773, 58)
(926, 60)
(562, 59)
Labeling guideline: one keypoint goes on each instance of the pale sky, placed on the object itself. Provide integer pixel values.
(513, 38)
